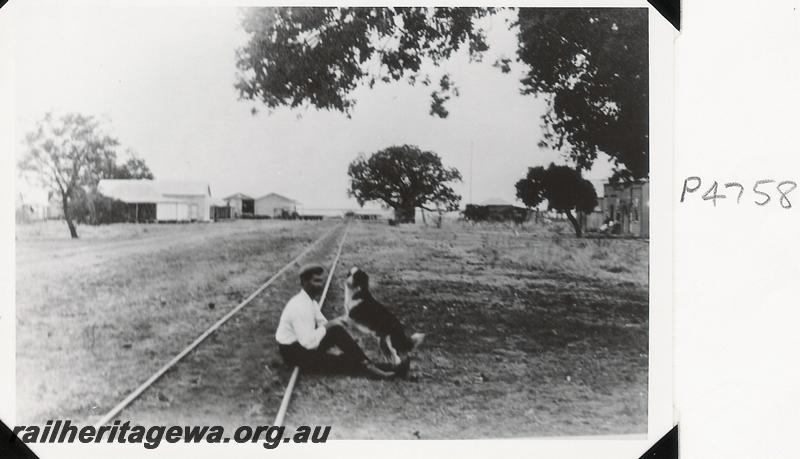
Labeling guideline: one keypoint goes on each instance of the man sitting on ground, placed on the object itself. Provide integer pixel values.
(304, 335)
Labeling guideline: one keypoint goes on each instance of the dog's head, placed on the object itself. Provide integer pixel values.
(357, 281)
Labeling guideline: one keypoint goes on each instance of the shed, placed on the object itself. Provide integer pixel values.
(196, 195)
(496, 209)
(161, 200)
(220, 210)
(241, 205)
(275, 205)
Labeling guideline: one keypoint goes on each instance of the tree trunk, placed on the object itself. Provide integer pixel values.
(73, 233)
(575, 223)
(405, 214)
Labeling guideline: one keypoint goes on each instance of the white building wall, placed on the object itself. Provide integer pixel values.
(172, 211)
(202, 204)
(271, 206)
(236, 207)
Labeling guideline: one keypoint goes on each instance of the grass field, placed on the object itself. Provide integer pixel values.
(98, 315)
(530, 331)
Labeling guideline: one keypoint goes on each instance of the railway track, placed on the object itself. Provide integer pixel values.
(158, 374)
(287, 394)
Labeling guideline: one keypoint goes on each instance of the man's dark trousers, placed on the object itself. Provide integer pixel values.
(351, 360)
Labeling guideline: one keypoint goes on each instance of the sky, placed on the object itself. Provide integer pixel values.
(161, 79)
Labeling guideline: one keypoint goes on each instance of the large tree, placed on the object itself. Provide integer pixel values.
(133, 168)
(70, 155)
(404, 178)
(300, 56)
(562, 187)
(590, 64)
(66, 153)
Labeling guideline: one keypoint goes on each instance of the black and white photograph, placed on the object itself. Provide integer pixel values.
(402, 223)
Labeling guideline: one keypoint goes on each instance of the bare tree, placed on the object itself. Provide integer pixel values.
(65, 153)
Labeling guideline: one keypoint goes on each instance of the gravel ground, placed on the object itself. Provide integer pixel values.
(530, 332)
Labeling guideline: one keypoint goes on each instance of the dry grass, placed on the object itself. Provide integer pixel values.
(56, 230)
(530, 331)
(97, 315)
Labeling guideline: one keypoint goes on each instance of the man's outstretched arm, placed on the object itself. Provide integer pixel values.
(306, 330)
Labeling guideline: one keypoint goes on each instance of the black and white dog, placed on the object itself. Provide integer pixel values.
(372, 317)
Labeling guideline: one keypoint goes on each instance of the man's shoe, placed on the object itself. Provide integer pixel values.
(385, 366)
(402, 369)
(373, 371)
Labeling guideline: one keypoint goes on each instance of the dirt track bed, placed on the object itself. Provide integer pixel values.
(530, 332)
(97, 316)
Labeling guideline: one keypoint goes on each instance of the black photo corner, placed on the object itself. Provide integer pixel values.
(12, 447)
(665, 448)
(670, 9)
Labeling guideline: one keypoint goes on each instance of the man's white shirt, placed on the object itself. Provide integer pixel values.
(301, 321)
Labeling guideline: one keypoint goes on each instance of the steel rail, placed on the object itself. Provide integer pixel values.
(287, 394)
(167, 366)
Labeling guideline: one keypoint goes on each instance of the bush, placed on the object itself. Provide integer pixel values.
(92, 208)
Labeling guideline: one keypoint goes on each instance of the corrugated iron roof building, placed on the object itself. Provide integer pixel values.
(241, 205)
(172, 200)
(275, 205)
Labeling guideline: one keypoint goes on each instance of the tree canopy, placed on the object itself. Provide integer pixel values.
(300, 56)
(589, 63)
(592, 66)
(404, 178)
(562, 187)
(133, 168)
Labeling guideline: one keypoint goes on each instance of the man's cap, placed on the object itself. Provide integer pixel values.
(311, 268)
